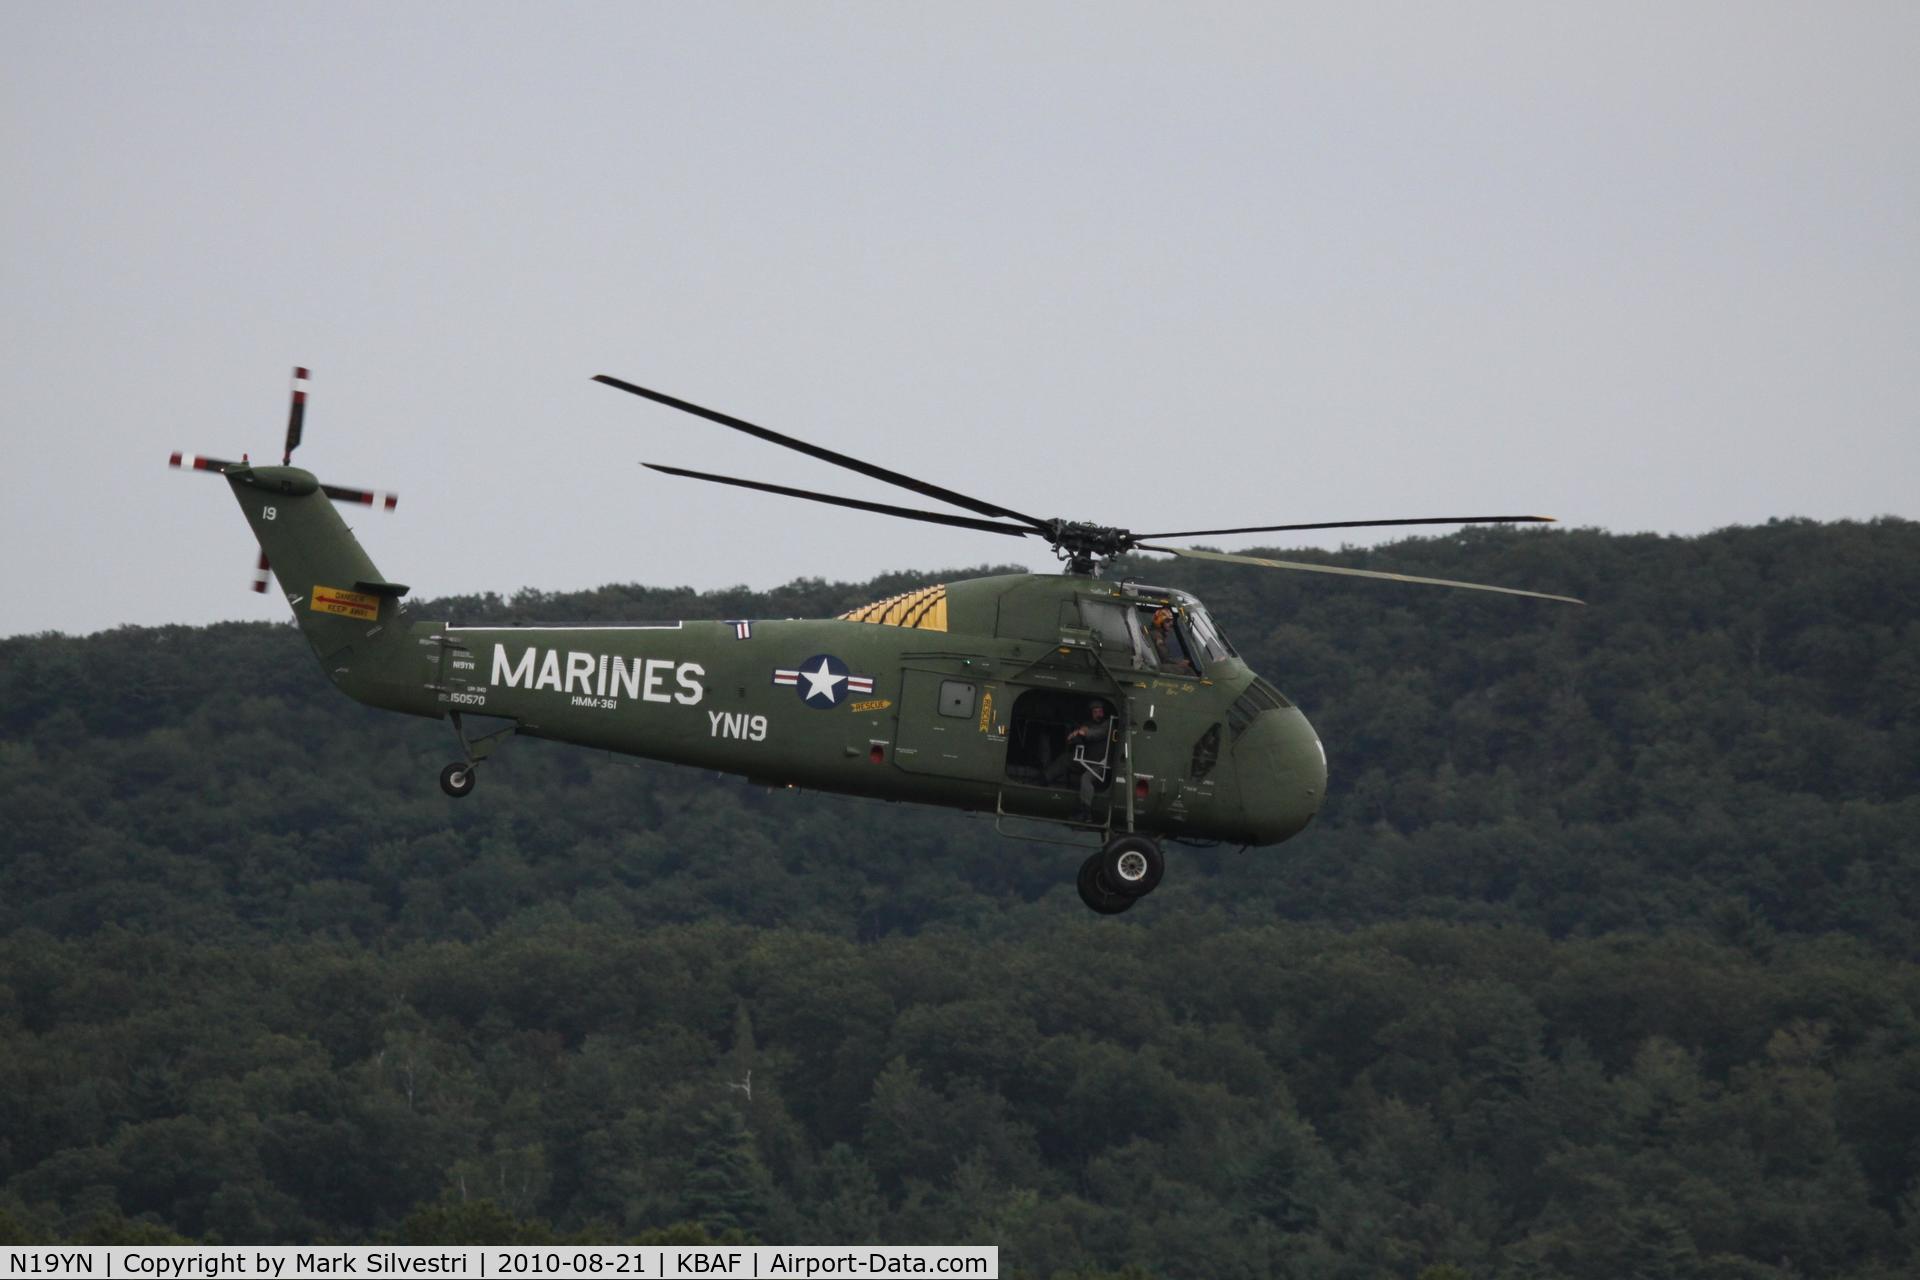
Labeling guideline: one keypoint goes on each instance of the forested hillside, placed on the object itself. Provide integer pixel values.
(1602, 959)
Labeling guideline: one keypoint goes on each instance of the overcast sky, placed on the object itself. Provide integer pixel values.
(1637, 266)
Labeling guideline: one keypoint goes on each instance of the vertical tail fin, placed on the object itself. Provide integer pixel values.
(337, 594)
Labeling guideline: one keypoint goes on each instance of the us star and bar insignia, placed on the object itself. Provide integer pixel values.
(823, 681)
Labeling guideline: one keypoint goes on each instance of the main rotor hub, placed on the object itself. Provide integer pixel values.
(1083, 545)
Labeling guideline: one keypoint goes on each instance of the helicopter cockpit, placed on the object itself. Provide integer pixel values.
(1156, 629)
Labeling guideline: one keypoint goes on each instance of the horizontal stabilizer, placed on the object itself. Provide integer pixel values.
(380, 588)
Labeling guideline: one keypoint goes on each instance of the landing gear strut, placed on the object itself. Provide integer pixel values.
(457, 779)
(1125, 870)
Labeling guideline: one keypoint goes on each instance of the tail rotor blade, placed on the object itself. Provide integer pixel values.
(198, 462)
(378, 498)
(260, 573)
(296, 416)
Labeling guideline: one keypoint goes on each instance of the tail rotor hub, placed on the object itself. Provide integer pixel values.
(296, 425)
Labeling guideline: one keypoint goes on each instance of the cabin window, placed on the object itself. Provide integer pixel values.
(956, 699)
(1113, 630)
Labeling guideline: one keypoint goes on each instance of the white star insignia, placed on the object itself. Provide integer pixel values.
(820, 683)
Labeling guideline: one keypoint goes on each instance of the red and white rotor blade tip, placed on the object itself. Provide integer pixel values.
(260, 573)
(379, 498)
(296, 415)
(198, 462)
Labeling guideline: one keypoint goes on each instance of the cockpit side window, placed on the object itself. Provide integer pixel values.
(1208, 636)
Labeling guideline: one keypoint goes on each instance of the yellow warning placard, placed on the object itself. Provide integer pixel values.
(348, 604)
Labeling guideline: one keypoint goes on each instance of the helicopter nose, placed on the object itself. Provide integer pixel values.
(1282, 770)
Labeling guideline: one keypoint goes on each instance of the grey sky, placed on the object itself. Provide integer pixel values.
(1637, 266)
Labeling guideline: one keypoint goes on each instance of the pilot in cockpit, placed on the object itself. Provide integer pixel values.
(1168, 647)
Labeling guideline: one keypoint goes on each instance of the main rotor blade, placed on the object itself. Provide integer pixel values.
(907, 513)
(1354, 524)
(1194, 553)
(921, 487)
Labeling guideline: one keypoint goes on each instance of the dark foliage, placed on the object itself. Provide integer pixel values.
(1601, 961)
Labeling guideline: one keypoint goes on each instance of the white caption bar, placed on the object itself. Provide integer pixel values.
(655, 1262)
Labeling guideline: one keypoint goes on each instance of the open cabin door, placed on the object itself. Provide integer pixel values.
(1062, 755)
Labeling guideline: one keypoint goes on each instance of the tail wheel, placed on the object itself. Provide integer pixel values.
(457, 779)
(1132, 865)
(1095, 892)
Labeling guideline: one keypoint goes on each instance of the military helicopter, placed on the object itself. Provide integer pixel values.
(1110, 716)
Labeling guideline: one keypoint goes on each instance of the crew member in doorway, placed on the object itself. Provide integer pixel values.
(1089, 746)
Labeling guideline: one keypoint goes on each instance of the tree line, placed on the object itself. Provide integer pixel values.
(1600, 960)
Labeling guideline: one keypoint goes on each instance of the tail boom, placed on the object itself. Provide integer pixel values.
(350, 614)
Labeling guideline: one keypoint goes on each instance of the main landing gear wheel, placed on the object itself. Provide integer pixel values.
(1127, 869)
(1132, 865)
(457, 779)
(1095, 893)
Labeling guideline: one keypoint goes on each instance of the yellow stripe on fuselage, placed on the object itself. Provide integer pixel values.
(923, 610)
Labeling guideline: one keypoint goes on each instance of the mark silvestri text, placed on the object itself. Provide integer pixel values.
(185, 1263)
(602, 1262)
